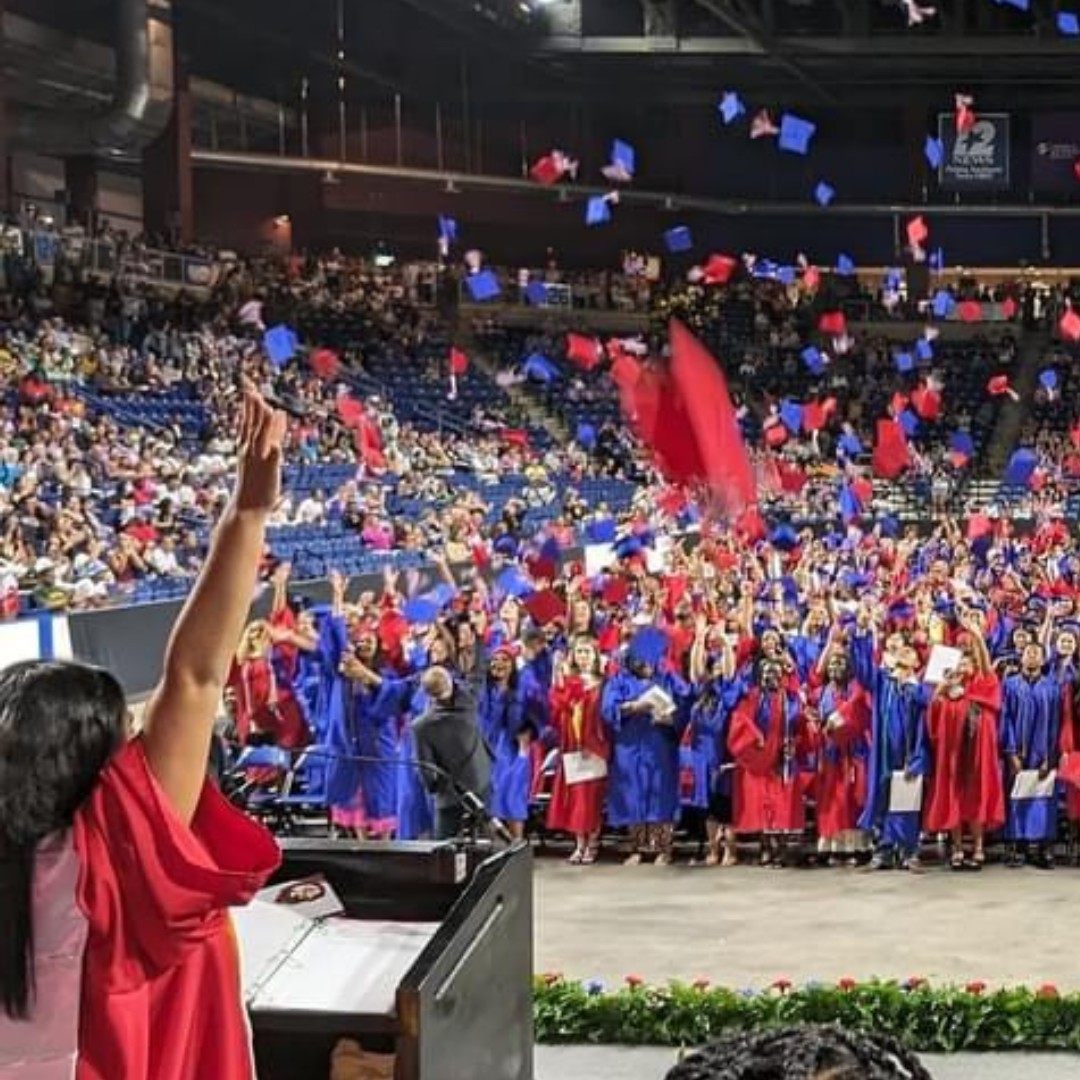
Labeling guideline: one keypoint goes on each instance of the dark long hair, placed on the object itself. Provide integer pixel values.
(59, 725)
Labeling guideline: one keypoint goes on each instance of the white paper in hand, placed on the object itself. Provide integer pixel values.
(905, 795)
(943, 659)
(1028, 785)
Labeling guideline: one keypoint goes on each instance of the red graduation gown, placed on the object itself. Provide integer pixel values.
(966, 785)
(1070, 745)
(161, 993)
(575, 714)
(842, 756)
(767, 797)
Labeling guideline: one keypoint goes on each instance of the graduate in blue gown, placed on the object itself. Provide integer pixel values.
(1030, 736)
(898, 744)
(643, 791)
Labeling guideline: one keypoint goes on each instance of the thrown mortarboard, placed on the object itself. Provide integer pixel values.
(934, 150)
(784, 537)
(998, 385)
(536, 293)
(678, 239)
(845, 265)
(280, 343)
(597, 210)
(901, 610)
(513, 583)
(917, 231)
(1020, 5)
(924, 350)
(731, 107)
(540, 368)
(442, 594)
(325, 363)
(795, 134)
(894, 279)
(1068, 24)
(1048, 379)
(648, 646)
(1021, 467)
(832, 322)
(615, 591)
(585, 435)
(943, 304)
(791, 415)
(962, 443)
(909, 422)
(1070, 325)
(483, 286)
(824, 193)
(421, 611)
(624, 159)
(447, 229)
(629, 546)
(904, 362)
(890, 526)
(786, 275)
(850, 444)
(936, 259)
(812, 358)
(545, 607)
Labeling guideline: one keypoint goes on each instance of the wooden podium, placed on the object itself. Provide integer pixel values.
(463, 1010)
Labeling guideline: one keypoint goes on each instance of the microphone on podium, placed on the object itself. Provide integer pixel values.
(466, 798)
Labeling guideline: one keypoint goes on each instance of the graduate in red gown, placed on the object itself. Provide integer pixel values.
(578, 807)
(966, 783)
(768, 741)
(118, 859)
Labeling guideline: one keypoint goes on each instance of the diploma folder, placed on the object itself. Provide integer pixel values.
(905, 796)
(431, 962)
(1028, 785)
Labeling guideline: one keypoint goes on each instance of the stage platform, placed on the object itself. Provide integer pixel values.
(746, 926)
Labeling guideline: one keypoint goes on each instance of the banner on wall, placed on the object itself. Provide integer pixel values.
(1055, 149)
(977, 159)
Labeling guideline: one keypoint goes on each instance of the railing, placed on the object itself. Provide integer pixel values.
(151, 266)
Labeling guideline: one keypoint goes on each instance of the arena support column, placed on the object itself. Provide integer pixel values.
(5, 156)
(168, 184)
(81, 185)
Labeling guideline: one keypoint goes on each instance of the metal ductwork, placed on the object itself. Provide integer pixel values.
(143, 93)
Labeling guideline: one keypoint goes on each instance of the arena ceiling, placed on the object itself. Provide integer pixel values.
(845, 53)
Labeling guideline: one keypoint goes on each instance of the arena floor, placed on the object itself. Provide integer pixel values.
(747, 926)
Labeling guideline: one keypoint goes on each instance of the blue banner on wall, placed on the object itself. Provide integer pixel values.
(977, 159)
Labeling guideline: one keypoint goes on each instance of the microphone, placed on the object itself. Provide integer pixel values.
(466, 798)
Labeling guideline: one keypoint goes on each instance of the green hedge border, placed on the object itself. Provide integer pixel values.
(942, 1019)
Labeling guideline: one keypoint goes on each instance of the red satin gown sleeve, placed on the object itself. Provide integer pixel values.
(161, 996)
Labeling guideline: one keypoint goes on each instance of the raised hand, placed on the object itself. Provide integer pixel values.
(260, 441)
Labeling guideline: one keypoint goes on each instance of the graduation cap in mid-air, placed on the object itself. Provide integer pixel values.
(678, 239)
(731, 107)
(796, 133)
(483, 286)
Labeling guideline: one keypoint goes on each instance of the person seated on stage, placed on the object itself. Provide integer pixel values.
(118, 859)
(801, 1053)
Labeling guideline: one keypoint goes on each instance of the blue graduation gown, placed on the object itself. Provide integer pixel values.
(415, 804)
(898, 741)
(643, 786)
(703, 755)
(807, 651)
(503, 717)
(317, 674)
(1030, 729)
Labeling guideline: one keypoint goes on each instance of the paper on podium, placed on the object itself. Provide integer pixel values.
(905, 796)
(1027, 785)
(943, 659)
(292, 964)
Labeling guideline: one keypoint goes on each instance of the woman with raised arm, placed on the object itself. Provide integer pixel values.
(117, 858)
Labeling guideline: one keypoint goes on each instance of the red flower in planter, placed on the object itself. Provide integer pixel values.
(916, 982)
(701, 984)
(783, 985)
(551, 978)
(1047, 990)
(847, 983)
(976, 987)
(634, 981)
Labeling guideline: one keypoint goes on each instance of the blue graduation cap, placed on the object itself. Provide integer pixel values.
(795, 134)
(731, 107)
(513, 583)
(924, 349)
(936, 259)
(962, 443)
(536, 293)
(890, 526)
(1020, 5)
(784, 537)
(934, 150)
(909, 422)
(280, 343)
(597, 211)
(442, 594)
(1021, 466)
(1048, 379)
(586, 435)
(901, 610)
(812, 358)
(483, 286)
(824, 193)
(629, 546)
(1068, 24)
(904, 362)
(602, 532)
(786, 275)
(540, 368)
(648, 646)
(678, 239)
(505, 545)
(894, 279)
(550, 550)
(763, 268)
(943, 304)
(421, 610)
(791, 415)
(854, 581)
(850, 444)
(622, 153)
(447, 229)
(850, 507)
(845, 265)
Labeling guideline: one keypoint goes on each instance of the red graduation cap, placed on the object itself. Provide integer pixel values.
(350, 411)
(899, 403)
(917, 231)
(545, 607)
(833, 322)
(718, 270)
(891, 453)
(1008, 307)
(775, 433)
(811, 278)
(1070, 325)
(927, 403)
(615, 591)
(541, 568)
(583, 350)
(965, 115)
(979, 525)
(969, 310)
(325, 363)
(815, 415)
(998, 385)
(547, 170)
(459, 362)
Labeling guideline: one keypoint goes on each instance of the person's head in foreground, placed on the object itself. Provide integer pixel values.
(801, 1053)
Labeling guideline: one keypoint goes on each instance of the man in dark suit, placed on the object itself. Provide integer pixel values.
(448, 736)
